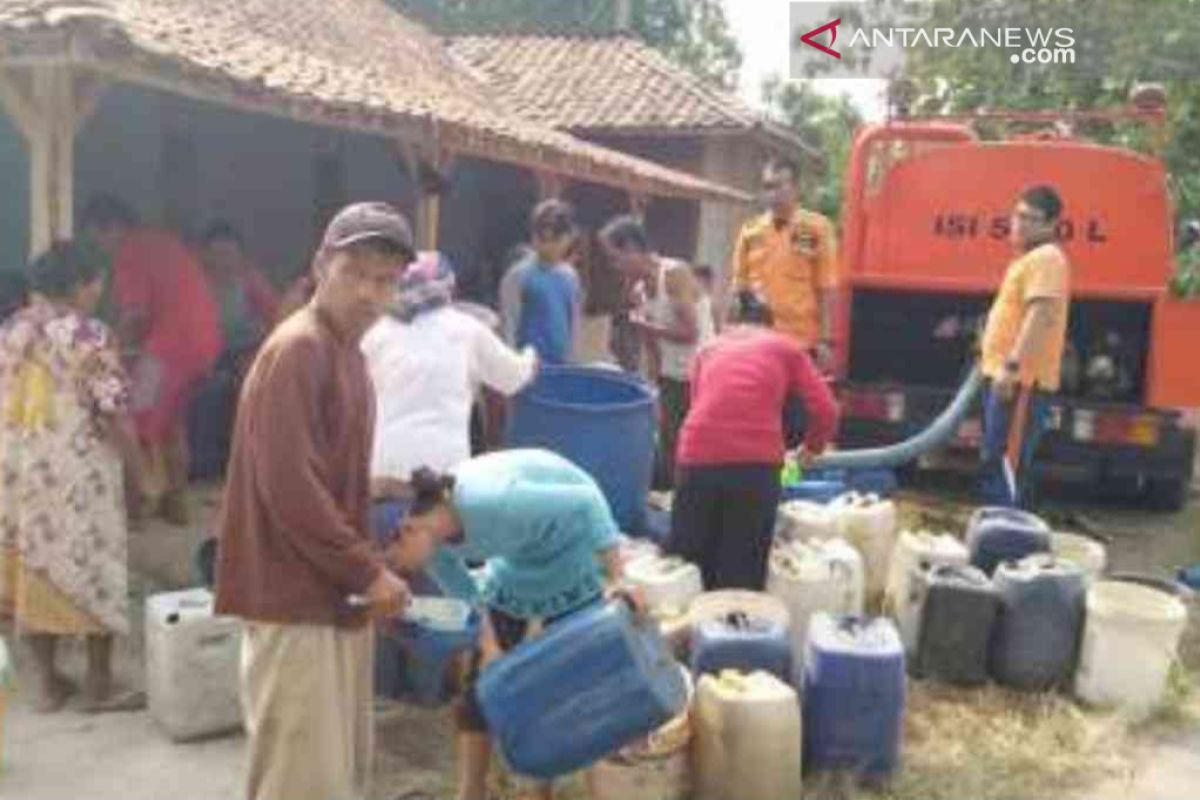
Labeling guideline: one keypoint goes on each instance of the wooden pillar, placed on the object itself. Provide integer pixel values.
(430, 168)
(48, 106)
(638, 203)
(550, 185)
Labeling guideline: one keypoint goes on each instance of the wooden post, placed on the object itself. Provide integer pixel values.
(47, 112)
(429, 168)
(551, 185)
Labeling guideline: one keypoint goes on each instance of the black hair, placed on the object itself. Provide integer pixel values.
(105, 211)
(749, 309)
(626, 232)
(62, 269)
(1044, 199)
(704, 272)
(14, 292)
(552, 215)
(222, 230)
(781, 164)
(430, 490)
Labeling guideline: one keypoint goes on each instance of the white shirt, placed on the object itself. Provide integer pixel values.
(676, 358)
(426, 374)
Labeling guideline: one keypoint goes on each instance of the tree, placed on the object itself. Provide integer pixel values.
(1119, 43)
(694, 33)
(828, 125)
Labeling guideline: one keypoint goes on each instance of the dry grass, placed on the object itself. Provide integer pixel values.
(994, 744)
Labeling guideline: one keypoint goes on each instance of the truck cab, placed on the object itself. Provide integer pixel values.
(926, 221)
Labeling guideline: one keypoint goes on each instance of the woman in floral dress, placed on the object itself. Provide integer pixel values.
(63, 431)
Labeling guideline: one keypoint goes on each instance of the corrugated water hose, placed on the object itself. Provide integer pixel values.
(939, 432)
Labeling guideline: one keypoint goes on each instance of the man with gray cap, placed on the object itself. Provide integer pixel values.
(295, 542)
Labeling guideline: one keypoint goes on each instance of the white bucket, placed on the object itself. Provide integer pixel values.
(1130, 640)
(1087, 553)
(657, 767)
(914, 549)
(668, 583)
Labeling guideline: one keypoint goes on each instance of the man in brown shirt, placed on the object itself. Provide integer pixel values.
(295, 544)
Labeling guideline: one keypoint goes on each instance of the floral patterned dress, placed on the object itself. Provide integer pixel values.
(63, 533)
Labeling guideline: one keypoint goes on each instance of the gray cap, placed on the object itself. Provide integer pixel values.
(360, 222)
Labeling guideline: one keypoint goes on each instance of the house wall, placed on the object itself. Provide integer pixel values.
(734, 161)
(14, 197)
(673, 224)
(182, 163)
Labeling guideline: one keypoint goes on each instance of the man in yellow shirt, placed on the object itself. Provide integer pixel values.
(1022, 350)
(788, 256)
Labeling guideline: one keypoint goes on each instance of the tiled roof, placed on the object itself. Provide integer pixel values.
(606, 83)
(350, 62)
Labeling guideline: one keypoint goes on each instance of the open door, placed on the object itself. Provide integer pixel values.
(1175, 357)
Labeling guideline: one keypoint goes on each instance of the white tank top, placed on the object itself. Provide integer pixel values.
(677, 358)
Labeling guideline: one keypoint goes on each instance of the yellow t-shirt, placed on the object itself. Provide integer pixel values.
(1041, 274)
(789, 265)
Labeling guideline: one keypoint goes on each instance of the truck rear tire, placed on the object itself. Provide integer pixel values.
(1165, 494)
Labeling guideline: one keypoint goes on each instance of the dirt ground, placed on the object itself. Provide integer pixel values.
(124, 757)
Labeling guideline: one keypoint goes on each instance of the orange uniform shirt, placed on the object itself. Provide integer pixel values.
(789, 265)
(1041, 274)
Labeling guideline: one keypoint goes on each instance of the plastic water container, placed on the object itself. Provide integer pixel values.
(192, 664)
(658, 767)
(669, 583)
(1041, 617)
(590, 685)
(873, 481)
(742, 642)
(995, 535)
(1130, 639)
(805, 520)
(631, 548)
(869, 523)
(416, 654)
(748, 738)
(913, 550)
(853, 696)
(957, 613)
(808, 577)
(1085, 551)
(603, 421)
(813, 491)
(718, 605)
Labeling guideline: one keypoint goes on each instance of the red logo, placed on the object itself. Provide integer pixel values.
(808, 38)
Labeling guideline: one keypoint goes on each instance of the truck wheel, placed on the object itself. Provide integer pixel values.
(1165, 494)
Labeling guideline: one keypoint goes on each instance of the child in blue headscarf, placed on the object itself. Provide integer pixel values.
(546, 534)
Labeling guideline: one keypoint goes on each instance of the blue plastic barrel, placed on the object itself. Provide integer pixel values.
(601, 420)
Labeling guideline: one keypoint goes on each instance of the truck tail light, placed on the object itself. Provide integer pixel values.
(1104, 427)
(876, 406)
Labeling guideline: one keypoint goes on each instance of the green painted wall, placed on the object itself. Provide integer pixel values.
(14, 197)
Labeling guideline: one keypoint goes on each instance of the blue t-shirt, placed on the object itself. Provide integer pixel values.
(538, 521)
(550, 296)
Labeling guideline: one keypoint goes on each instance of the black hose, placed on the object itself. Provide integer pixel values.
(939, 432)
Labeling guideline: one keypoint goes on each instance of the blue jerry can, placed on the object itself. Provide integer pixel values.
(742, 642)
(590, 685)
(995, 535)
(853, 696)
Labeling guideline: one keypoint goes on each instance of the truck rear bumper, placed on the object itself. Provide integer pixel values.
(1080, 441)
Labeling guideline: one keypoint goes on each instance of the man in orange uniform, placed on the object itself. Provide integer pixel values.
(788, 257)
(1023, 345)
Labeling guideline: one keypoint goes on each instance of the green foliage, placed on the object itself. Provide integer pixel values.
(828, 125)
(694, 33)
